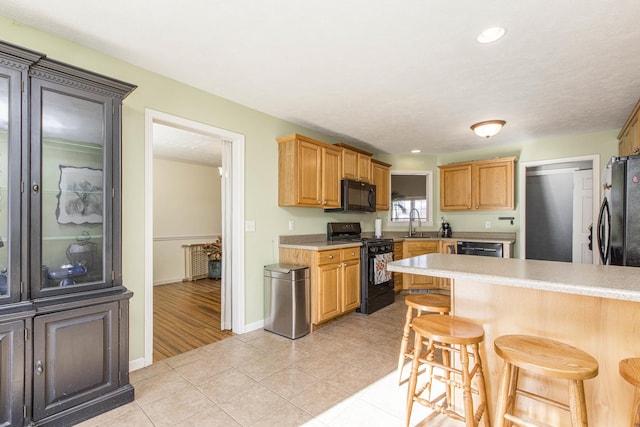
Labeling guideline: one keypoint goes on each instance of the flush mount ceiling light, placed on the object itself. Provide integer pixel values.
(488, 128)
(416, 151)
(491, 34)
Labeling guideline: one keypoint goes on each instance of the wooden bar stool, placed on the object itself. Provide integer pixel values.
(630, 371)
(450, 334)
(548, 358)
(420, 303)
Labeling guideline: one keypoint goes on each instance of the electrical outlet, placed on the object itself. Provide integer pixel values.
(249, 225)
(487, 224)
(292, 225)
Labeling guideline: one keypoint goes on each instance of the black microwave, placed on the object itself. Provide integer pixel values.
(356, 196)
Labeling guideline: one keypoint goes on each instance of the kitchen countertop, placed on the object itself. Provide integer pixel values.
(605, 281)
(488, 240)
(318, 242)
(320, 245)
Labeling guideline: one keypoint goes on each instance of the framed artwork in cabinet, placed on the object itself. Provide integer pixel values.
(80, 197)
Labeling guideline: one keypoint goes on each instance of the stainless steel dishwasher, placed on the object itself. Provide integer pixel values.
(287, 309)
(480, 248)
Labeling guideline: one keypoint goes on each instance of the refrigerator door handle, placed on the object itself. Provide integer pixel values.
(603, 241)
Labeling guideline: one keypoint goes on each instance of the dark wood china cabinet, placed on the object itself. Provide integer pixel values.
(64, 331)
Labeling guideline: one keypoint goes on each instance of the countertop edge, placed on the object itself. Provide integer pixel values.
(569, 288)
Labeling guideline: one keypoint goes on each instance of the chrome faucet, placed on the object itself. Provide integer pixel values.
(411, 228)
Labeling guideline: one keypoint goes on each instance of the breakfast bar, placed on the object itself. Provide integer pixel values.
(593, 307)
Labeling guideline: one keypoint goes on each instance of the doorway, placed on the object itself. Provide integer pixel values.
(559, 203)
(232, 194)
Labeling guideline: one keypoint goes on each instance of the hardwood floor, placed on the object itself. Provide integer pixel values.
(186, 315)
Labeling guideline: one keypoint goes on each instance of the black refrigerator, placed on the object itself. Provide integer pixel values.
(624, 206)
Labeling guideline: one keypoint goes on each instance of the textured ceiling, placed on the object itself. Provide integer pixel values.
(183, 145)
(387, 75)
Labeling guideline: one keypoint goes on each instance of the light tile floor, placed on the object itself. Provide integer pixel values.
(343, 374)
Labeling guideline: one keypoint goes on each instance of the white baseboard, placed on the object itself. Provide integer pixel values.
(253, 326)
(164, 282)
(136, 364)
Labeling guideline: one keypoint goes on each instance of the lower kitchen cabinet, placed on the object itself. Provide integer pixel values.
(413, 248)
(335, 280)
(12, 373)
(447, 246)
(397, 255)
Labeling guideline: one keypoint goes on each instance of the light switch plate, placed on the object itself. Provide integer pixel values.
(292, 225)
(487, 224)
(249, 225)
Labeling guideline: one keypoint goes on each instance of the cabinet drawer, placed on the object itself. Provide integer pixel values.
(327, 257)
(350, 254)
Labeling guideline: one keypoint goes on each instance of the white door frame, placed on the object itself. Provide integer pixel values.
(522, 190)
(235, 213)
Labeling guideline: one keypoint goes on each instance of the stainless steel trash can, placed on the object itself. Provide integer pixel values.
(287, 309)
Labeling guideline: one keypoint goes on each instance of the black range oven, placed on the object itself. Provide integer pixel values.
(376, 282)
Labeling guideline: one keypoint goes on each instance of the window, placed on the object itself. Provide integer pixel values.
(411, 190)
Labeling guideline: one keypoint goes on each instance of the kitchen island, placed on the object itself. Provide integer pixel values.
(595, 308)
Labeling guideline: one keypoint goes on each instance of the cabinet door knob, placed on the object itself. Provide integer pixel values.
(330, 256)
(324, 202)
(39, 367)
(35, 187)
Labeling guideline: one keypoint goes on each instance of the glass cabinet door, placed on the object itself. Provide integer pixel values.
(10, 134)
(71, 189)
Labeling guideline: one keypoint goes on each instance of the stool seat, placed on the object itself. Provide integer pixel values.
(630, 370)
(546, 357)
(448, 329)
(429, 302)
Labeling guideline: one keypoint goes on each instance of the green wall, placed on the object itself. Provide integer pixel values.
(260, 130)
(603, 144)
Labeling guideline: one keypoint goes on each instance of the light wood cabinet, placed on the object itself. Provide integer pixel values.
(356, 163)
(381, 173)
(308, 172)
(397, 255)
(629, 136)
(479, 185)
(447, 246)
(455, 187)
(335, 280)
(413, 248)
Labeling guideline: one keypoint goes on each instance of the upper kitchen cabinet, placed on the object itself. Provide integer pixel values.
(629, 136)
(479, 185)
(381, 174)
(308, 172)
(356, 164)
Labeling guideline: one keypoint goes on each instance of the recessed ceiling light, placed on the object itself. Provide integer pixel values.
(416, 151)
(491, 34)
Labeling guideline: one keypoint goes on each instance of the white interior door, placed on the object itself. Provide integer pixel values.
(582, 216)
